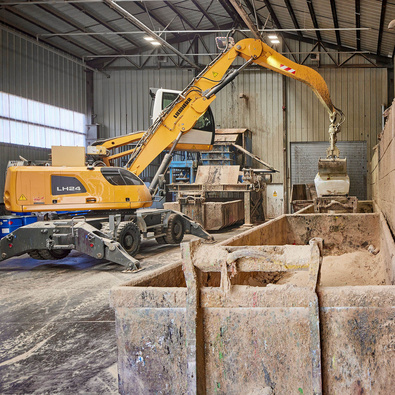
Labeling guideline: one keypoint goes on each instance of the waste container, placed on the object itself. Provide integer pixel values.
(262, 313)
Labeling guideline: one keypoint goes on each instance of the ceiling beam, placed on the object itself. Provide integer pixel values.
(314, 18)
(244, 16)
(293, 16)
(97, 19)
(62, 16)
(358, 22)
(231, 12)
(205, 13)
(278, 25)
(42, 42)
(97, 62)
(272, 14)
(336, 22)
(152, 15)
(380, 58)
(49, 29)
(178, 13)
(381, 28)
(132, 19)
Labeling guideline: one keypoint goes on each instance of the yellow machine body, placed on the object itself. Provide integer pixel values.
(47, 188)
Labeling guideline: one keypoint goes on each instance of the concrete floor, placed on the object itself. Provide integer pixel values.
(57, 331)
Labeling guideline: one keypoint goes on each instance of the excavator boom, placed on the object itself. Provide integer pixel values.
(180, 116)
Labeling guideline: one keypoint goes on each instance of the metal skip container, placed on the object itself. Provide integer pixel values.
(226, 322)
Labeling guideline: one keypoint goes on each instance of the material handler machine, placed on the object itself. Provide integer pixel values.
(112, 196)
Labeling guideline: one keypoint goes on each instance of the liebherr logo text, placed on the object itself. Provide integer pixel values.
(182, 108)
(69, 189)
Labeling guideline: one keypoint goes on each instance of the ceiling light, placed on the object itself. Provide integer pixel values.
(148, 38)
(273, 37)
(156, 43)
(275, 41)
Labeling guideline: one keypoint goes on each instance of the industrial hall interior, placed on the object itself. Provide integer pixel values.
(197, 197)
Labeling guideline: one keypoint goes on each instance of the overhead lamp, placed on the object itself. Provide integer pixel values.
(275, 41)
(156, 43)
(148, 38)
(273, 37)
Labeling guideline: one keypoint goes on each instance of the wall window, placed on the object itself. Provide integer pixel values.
(28, 122)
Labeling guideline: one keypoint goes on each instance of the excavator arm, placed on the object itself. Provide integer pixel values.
(181, 115)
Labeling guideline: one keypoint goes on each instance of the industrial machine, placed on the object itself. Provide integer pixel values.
(227, 190)
(114, 194)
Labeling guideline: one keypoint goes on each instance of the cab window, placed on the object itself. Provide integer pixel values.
(120, 176)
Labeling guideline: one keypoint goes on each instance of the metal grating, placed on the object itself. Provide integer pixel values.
(304, 162)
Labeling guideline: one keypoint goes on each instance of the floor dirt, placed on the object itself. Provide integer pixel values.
(354, 268)
(57, 330)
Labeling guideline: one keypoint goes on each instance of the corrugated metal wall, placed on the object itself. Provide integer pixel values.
(359, 93)
(122, 102)
(33, 72)
(259, 111)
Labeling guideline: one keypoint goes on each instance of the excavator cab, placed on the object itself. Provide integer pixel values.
(202, 133)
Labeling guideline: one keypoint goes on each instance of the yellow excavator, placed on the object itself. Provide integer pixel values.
(116, 193)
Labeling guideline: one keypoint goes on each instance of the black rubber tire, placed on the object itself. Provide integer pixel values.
(52, 255)
(160, 239)
(59, 254)
(175, 229)
(35, 255)
(128, 235)
(46, 254)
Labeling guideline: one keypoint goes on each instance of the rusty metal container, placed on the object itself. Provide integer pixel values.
(212, 215)
(302, 196)
(222, 323)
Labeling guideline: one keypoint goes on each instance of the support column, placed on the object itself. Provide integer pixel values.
(285, 146)
(247, 208)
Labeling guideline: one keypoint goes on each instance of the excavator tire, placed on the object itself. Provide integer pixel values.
(51, 255)
(160, 239)
(35, 255)
(175, 230)
(59, 254)
(128, 235)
